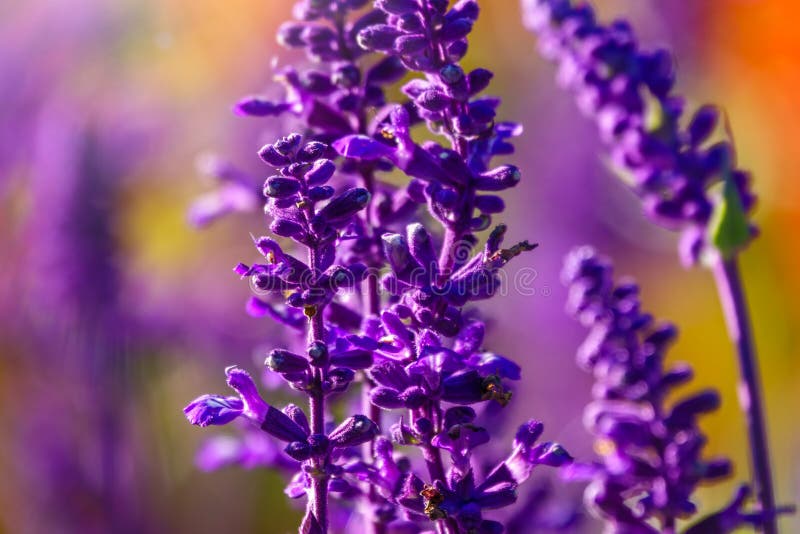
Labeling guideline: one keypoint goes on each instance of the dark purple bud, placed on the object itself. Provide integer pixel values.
(464, 9)
(717, 469)
(479, 80)
(489, 204)
(341, 277)
(340, 378)
(316, 34)
(680, 374)
(320, 172)
(481, 111)
(451, 74)
(311, 151)
(290, 35)
(397, 7)
(498, 179)
(433, 100)
(420, 246)
(396, 249)
(318, 353)
(411, 23)
(345, 205)
(718, 157)
(685, 411)
(298, 450)
(455, 29)
(281, 426)
(408, 45)
(702, 124)
(286, 228)
(273, 157)
(255, 106)
(297, 415)
(280, 187)
(284, 361)
(295, 170)
(659, 73)
(390, 373)
(213, 410)
(324, 192)
(287, 145)
(386, 398)
(457, 50)
(346, 76)
(413, 397)
(354, 431)
(352, 359)
(378, 37)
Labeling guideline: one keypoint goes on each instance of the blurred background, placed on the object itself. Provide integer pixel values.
(114, 311)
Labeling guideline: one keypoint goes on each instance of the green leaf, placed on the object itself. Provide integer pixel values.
(729, 228)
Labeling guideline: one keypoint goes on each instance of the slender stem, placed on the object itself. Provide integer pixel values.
(319, 482)
(371, 305)
(734, 306)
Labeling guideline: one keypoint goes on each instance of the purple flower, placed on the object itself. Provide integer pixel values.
(418, 350)
(651, 450)
(628, 93)
(213, 410)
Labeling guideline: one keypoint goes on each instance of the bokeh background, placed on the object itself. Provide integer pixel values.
(114, 312)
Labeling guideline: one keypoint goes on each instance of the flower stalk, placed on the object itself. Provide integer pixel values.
(734, 306)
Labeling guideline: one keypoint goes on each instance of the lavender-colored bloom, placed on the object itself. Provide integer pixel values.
(420, 352)
(628, 92)
(651, 452)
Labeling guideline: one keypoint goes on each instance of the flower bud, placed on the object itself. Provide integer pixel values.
(284, 361)
(280, 187)
(354, 431)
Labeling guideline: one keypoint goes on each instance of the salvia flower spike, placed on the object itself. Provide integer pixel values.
(651, 450)
(687, 181)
